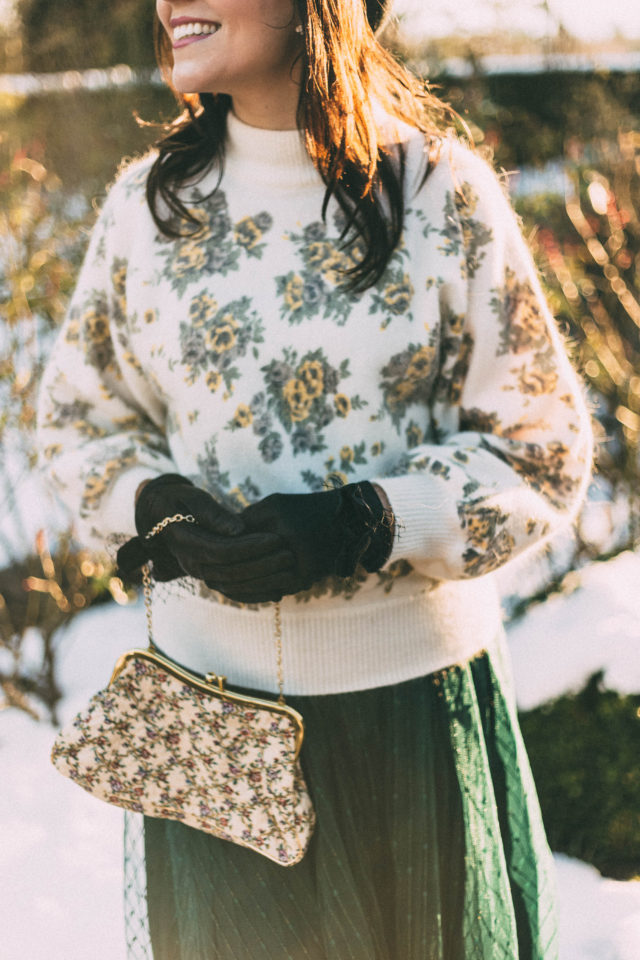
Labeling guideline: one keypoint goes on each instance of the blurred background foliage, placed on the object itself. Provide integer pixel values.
(76, 34)
(39, 594)
(573, 139)
(588, 778)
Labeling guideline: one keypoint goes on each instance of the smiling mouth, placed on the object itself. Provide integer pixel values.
(193, 30)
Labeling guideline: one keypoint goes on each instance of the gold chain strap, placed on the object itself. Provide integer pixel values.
(176, 518)
(278, 638)
(147, 588)
(146, 572)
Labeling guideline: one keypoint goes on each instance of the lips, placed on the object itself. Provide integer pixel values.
(189, 30)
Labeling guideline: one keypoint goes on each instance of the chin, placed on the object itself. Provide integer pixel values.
(186, 80)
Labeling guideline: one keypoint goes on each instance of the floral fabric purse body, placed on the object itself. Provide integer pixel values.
(169, 743)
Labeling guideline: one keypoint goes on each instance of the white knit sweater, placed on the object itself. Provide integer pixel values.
(236, 358)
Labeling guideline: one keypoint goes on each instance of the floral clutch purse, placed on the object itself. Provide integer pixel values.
(169, 743)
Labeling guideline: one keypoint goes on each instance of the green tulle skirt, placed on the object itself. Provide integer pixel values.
(428, 845)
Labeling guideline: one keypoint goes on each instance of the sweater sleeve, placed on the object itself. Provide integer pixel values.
(511, 445)
(100, 422)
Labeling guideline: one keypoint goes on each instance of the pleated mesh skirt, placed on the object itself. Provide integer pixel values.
(428, 845)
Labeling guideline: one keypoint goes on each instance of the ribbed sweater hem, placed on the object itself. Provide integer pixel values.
(331, 648)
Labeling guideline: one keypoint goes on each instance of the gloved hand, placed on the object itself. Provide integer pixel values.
(323, 534)
(190, 549)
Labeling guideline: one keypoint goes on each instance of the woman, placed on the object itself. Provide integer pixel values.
(309, 320)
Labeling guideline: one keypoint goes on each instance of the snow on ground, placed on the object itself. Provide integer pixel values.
(61, 876)
(61, 851)
(599, 919)
(561, 642)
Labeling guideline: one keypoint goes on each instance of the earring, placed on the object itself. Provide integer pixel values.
(299, 28)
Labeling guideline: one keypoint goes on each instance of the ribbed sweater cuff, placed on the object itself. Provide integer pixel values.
(117, 507)
(427, 524)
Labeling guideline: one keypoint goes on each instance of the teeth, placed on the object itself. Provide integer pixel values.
(194, 29)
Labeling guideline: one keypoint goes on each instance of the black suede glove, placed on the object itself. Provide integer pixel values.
(195, 549)
(321, 534)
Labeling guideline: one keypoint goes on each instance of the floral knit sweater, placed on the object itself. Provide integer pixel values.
(236, 358)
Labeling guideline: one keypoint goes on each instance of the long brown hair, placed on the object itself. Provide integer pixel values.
(347, 77)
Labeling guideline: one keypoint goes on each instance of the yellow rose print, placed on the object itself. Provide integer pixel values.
(293, 292)
(247, 233)
(119, 278)
(243, 416)
(150, 316)
(312, 374)
(414, 435)
(222, 337)
(318, 253)
(202, 217)
(558, 453)
(529, 320)
(296, 395)
(420, 363)
(94, 489)
(397, 296)
(96, 326)
(455, 323)
(346, 455)
(480, 530)
(342, 404)
(213, 380)
(536, 382)
(111, 467)
(192, 256)
(126, 423)
(203, 308)
(133, 361)
(88, 429)
(333, 266)
(400, 393)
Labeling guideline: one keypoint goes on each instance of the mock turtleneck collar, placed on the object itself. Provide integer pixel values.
(273, 157)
